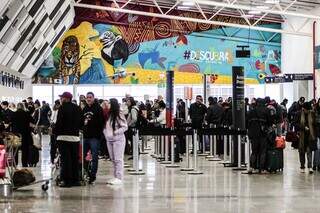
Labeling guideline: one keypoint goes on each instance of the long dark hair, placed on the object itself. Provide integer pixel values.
(114, 112)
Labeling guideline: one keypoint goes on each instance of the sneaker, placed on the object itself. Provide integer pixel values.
(110, 180)
(92, 180)
(310, 171)
(116, 181)
(302, 170)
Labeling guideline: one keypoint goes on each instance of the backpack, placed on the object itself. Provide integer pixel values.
(141, 120)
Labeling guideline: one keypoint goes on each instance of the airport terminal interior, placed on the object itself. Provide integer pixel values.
(160, 106)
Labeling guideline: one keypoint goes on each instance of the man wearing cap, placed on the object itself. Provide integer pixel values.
(67, 130)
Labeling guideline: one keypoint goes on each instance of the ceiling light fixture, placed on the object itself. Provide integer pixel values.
(254, 12)
(188, 3)
(262, 7)
(247, 16)
(272, 1)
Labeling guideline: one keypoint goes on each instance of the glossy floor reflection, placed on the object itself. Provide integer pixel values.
(169, 190)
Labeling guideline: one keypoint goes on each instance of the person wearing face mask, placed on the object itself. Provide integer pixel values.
(92, 130)
(197, 114)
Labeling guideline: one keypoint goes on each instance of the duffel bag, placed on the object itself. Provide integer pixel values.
(23, 177)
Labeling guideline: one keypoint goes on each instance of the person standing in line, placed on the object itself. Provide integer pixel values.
(53, 137)
(7, 115)
(103, 148)
(67, 131)
(197, 114)
(21, 121)
(132, 119)
(257, 132)
(306, 128)
(116, 126)
(92, 130)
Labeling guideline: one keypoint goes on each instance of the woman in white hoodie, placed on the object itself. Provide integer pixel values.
(116, 126)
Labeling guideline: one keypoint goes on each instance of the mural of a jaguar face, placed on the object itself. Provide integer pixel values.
(114, 48)
(70, 60)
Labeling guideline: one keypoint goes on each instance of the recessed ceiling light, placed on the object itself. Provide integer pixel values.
(247, 16)
(188, 3)
(262, 7)
(272, 1)
(254, 12)
(183, 7)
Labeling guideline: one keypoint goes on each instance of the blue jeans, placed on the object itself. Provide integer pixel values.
(92, 144)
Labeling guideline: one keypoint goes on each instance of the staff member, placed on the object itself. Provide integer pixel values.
(67, 132)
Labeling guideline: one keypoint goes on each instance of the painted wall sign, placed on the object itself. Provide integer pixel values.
(98, 53)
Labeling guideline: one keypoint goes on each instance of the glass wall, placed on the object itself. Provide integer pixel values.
(49, 93)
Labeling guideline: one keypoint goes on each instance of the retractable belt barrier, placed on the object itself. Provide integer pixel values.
(226, 132)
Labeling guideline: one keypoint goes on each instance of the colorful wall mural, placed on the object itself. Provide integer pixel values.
(101, 54)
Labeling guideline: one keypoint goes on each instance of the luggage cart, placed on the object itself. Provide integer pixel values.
(12, 142)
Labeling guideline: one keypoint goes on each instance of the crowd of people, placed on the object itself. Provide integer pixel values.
(106, 127)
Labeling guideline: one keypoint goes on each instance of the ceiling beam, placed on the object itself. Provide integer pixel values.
(244, 7)
(190, 19)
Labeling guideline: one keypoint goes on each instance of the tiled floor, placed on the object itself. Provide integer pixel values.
(169, 190)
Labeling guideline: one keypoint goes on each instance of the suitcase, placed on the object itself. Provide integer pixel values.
(275, 160)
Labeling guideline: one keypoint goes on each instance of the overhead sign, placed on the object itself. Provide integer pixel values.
(299, 77)
(277, 79)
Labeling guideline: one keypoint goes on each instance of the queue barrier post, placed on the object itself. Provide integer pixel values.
(143, 142)
(166, 151)
(188, 165)
(239, 166)
(172, 165)
(211, 145)
(215, 156)
(195, 156)
(203, 154)
(248, 152)
(135, 144)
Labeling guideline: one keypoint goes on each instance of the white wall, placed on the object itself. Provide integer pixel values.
(297, 56)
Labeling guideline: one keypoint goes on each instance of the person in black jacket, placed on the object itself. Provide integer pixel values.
(197, 114)
(215, 112)
(92, 130)
(7, 115)
(21, 124)
(257, 131)
(67, 131)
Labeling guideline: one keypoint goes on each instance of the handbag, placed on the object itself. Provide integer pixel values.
(36, 140)
(280, 143)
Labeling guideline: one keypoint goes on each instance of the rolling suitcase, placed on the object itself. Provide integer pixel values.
(275, 160)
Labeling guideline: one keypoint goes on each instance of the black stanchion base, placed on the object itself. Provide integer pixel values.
(240, 169)
(144, 153)
(229, 165)
(196, 172)
(186, 169)
(127, 166)
(132, 170)
(137, 173)
(172, 166)
(165, 162)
